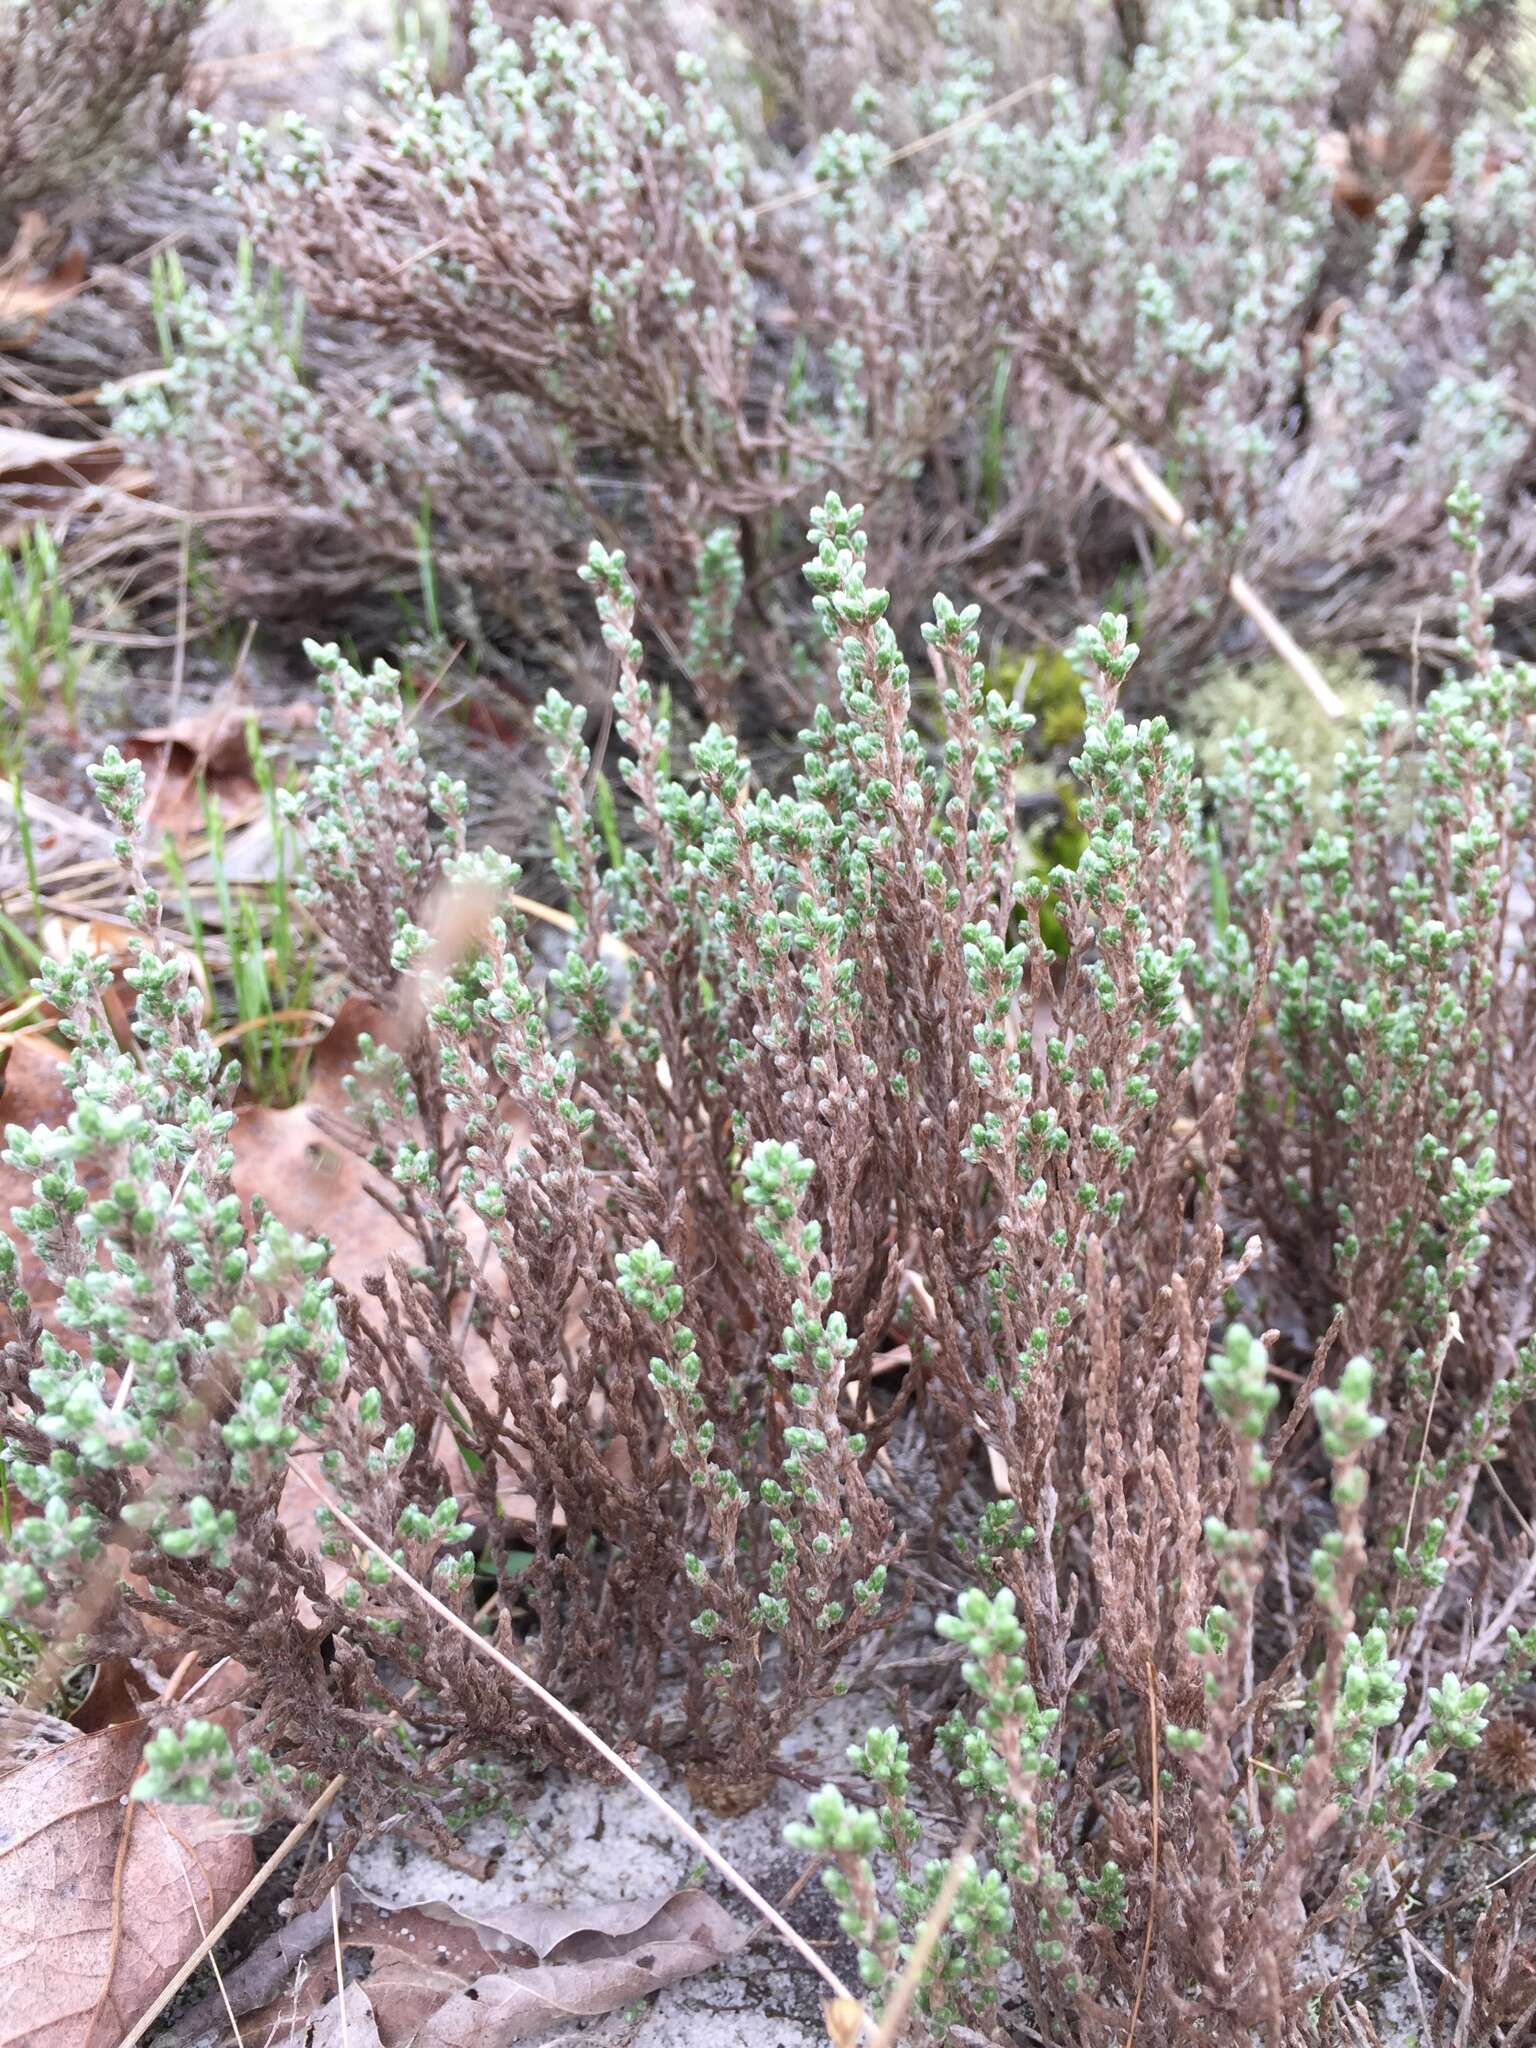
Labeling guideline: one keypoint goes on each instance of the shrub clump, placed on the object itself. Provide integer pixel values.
(623, 279)
(75, 78)
(1212, 1234)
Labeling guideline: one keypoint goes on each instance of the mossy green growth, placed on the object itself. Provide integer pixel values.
(1271, 699)
(1058, 843)
(1049, 683)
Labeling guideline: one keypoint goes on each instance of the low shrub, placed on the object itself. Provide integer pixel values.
(805, 1180)
(671, 285)
(77, 78)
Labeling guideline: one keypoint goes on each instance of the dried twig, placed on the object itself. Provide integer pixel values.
(1150, 487)
(1452, 1336)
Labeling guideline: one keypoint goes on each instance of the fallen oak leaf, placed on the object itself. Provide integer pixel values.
(25, 1732)
(422, 1961)
(498, 2011)
(565, 1933)
(32, 1086)
(28, 459)
(287, 1158)
(176, 795)
(26, 302)
(1368, 164)
(209, 750)
(586, 1974)
(320, 1188)
(217, 738)
(100, 1897)
(32, 1092)
(28, 292)
(446, 1978)
(46, 476)
(117, 1693)
(311, 1182)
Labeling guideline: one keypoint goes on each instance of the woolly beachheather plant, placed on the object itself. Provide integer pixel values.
(75, 75)
(807, 1177)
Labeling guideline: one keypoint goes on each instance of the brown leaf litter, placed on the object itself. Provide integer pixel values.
(101, 1898)
(41, 271)
(47, 475)
(442, 1978)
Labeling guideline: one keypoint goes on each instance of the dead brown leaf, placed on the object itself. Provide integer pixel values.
(25, 1733)
(217, 738)
(565, 1933)
(100, 1896)
(1366, 164)
(32, 1092)
(37, 276)
(592, 1961)
(46, 459)
(32, 1089)
(319, 1187)
(117, 1693)
(177, 778)
(306, 1176)
(303, 1173)
(442, 1978)
(44, 476)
